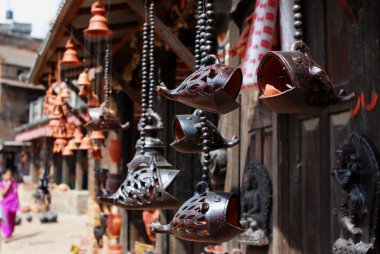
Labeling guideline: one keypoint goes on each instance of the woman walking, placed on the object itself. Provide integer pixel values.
(9, 203)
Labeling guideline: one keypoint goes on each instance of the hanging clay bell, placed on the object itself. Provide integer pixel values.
(97, 135)
(72, 145)
(96, 152)
(67, 152)
(98, 25)
(86, 143)
(212, 88)
(59, 145)
(84, 83)
(142, 189)
(78, 135)
(103, 118)
(188, 135)
(302, 84)
(93, 101)
(65, 94)
(52, 127)
(70, 56)
(209, 216)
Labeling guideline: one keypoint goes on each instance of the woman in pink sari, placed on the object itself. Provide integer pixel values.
(9, 203)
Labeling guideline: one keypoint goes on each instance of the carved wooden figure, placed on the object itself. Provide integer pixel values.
(357, 173)
(256, 205)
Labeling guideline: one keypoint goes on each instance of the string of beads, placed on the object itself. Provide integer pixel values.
(297, 20)
(144, 83)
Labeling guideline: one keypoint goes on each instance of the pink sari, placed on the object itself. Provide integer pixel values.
(9, 205)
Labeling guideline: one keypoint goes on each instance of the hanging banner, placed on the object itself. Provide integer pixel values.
(259, 40)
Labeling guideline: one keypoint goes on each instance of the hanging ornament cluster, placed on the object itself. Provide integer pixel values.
(149, 173)
(291, 82)
(208, 216)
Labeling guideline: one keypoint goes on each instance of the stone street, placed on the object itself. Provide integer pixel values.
(55, 238)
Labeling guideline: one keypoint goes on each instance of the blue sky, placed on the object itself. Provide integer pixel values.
(37, 12)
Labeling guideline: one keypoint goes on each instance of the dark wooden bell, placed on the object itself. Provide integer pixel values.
(208, 216)
(212, 88)
(144, 187)
(300, 84)
(98, 25)
(103, 119)
(188, 135)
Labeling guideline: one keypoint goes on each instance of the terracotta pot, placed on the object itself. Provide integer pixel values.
(114, 249)
(114, 224)
(113, 182)
(148, 218)
(114, 150)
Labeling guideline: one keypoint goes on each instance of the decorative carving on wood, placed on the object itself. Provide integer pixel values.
(256, 205)
(357, 173)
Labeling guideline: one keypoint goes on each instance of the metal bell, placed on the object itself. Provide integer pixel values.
(70, 56)
(67, 151)
(212, 88)
(301, 84)
(98, 25)
(188, 135)
(103, 118)
(208, 216)
(97, 135)
(144, 187)
(72, 145)
(93, 101)
(86, 143)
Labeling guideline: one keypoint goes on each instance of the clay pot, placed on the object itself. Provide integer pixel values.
(208, 216)
(148, 217)
(115, 249)
(212, 88)
(114, 150)
(188, 135)
(114, 222)
(303, 84)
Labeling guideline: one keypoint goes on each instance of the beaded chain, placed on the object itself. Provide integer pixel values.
(144, 84)
(203, 47)
(148, 76)
(107, 87)
(297, 20)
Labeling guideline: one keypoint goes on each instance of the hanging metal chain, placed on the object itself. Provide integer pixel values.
(145, 83)
(297, 20)
(152, 64)
(197, 50)
(107, 87)
(206, 27)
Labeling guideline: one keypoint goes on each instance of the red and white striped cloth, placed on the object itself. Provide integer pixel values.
(259, 41)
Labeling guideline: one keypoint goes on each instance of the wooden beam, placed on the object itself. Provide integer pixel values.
(166, 35)
(127, 89)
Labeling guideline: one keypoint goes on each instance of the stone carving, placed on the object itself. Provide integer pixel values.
(256, 205)
(357, 173)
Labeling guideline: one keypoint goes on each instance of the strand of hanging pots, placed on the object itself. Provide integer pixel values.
(208, 216)
(143, 187)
